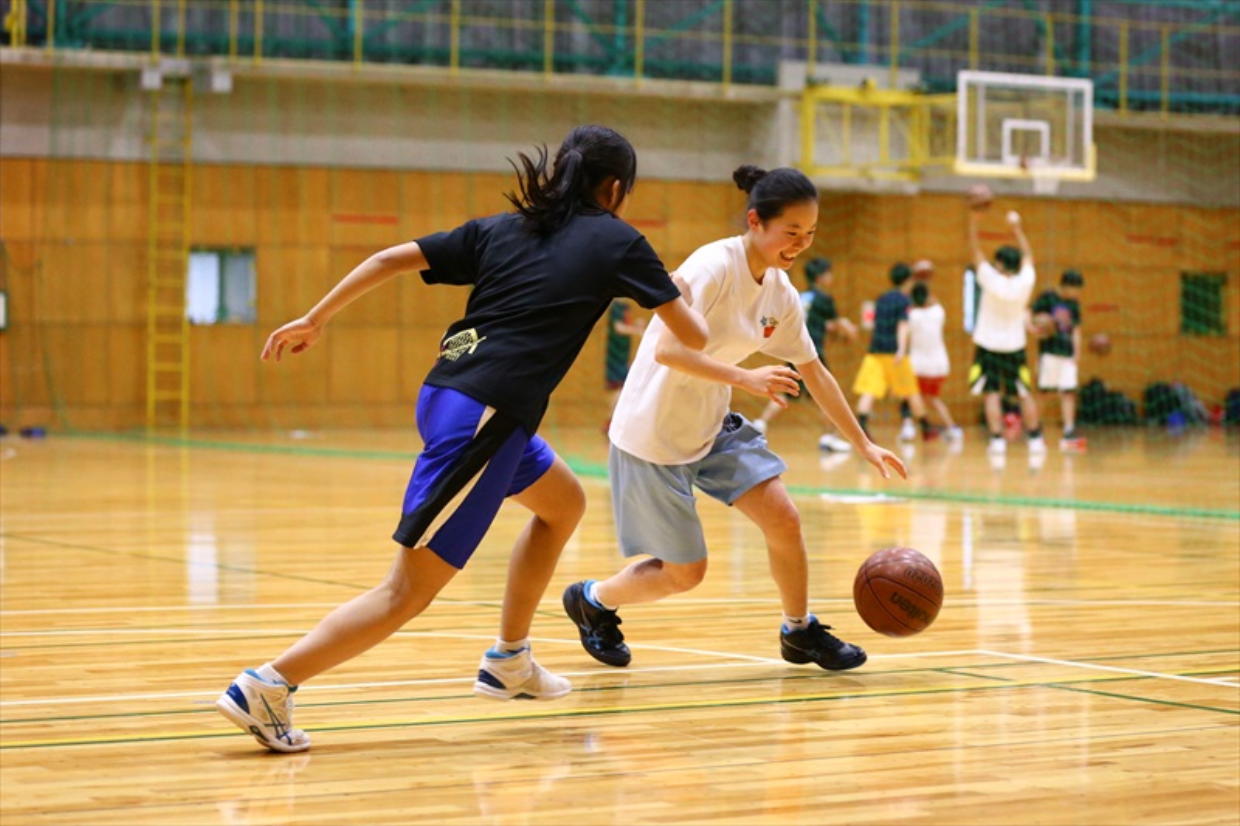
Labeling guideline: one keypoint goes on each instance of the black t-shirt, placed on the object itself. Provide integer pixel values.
(819, 311)
(1066, 314)
(890, 309)
(534, 302)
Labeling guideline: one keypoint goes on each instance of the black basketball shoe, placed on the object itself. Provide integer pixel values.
(814, 645)
(598, 627)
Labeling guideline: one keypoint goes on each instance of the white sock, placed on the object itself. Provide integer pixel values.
(796, 623)
(268, 672)
(592, 595)
(507, 648)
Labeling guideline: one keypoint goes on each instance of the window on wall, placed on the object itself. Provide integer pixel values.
(220, 287)
(1202, 303)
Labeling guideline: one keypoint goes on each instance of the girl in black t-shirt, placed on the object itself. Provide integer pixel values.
(541, 277)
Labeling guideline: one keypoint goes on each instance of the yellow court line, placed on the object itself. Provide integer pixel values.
(580, 712)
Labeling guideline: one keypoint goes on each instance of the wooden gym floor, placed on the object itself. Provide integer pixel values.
(1085, 667)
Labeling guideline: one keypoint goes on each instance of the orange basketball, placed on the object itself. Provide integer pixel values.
(898, 592)
(1100, 343)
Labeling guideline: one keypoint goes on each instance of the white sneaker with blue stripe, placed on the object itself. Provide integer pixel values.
(517, 677)
(263, 710)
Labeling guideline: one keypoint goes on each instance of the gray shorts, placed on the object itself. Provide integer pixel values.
(654, 504)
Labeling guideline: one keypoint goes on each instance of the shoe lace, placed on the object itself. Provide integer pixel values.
(821, 638)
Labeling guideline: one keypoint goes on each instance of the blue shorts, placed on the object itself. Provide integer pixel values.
(474, 457)
(654, 504)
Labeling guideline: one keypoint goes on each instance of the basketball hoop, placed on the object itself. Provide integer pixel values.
(1045, 176)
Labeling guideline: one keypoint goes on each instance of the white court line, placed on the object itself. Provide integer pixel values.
(316, 687)
(951, 603)
(1116, 669)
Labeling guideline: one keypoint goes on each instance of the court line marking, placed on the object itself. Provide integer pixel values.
(316, 687)
(556, 713)
(1113, 668)
(125, 609)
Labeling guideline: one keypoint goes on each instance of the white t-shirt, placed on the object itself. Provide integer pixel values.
(1000, 324)
(672, 418)
(927, 353)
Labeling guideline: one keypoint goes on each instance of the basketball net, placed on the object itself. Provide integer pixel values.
(1044, 176)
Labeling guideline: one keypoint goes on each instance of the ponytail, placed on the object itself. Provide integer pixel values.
(547, 200)
(771, 192)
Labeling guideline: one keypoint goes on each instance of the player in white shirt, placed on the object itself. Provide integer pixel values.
(673, 431)
(1000, 365)
(927, 353)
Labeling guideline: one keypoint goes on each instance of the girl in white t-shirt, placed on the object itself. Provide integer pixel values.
(672, 430)
(927, 353)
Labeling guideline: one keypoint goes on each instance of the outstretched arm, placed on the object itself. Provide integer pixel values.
(826, 392)
(975, 245)
(300, 334)
(1026, 251)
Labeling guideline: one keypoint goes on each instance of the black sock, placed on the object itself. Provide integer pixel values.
(864, 420)
(994, 434)
(906, 412)
(1036, 432)
(926, 427)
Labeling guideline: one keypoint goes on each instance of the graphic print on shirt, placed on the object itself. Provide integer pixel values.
(769, 323)
(460, 344)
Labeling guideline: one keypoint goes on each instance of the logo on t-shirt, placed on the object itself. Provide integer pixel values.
(769, 323)
(460, 344)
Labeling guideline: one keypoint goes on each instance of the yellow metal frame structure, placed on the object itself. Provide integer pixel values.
(168, 204)
(908, 110)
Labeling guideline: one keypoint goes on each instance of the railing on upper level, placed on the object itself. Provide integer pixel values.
(1174, 55)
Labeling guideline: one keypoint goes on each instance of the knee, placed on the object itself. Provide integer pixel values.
(567, 506)
(783, 521)
(685, 577)
(402, 598)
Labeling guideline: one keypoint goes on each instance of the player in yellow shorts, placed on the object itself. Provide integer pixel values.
(886, 368)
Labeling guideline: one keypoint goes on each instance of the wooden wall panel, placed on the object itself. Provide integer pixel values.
(21, 197)
(74, 232)
(363, 364)
(290, 280)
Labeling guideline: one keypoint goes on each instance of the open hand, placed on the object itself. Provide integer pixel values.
(297, 335)
(884, 459)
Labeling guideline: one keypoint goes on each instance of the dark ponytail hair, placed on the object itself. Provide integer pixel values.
(771, 192)
(587, 157)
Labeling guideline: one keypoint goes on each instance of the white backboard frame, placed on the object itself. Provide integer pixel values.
(1010, 165)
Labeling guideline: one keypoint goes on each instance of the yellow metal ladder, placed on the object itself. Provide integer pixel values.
(170, 113)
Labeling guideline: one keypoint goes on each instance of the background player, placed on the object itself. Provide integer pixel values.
(886, 367)
(621, 327)
(1057, 323)
(999, 362)
(928, 352)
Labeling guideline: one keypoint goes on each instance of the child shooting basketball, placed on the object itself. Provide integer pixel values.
(999, 364)
(821, 320)
(673, 430)
(541, 277)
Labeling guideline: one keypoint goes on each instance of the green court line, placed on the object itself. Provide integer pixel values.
(957, 672)
(1066, 685)
(597, 470)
